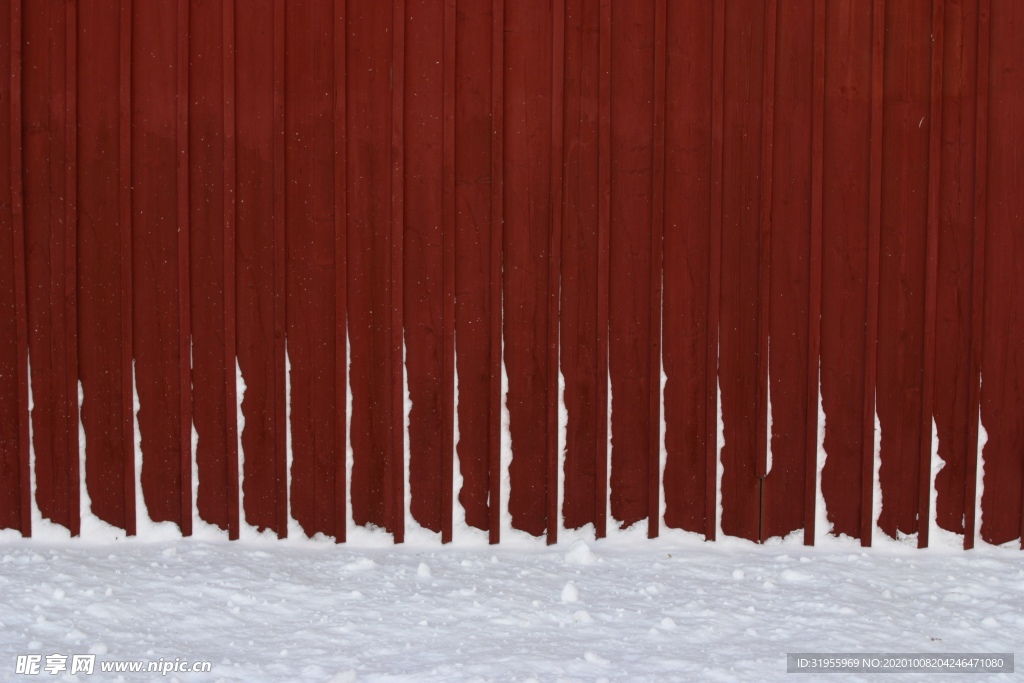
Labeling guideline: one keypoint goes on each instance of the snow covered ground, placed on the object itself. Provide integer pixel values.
(620, 609)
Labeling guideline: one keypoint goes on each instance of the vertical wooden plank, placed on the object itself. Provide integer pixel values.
(632, 137)
(18, 241)
(764, 241)
(99, 281)
(208, 213)
(255, 267)
(845, 196)
(578, 278)
(301, 253)
(741, 188)
(47, 103)
(553, 514)
(340, 274)
(397, 364)
(12, 500)
(902, 272)
(814, 266)
(72, 383)
(496, 258)
(711, 376)
(792, 398)
(124, 203)
(372, 163)
(528, 218)
(931, 272)
(690, 55)
(473, 285)
(657, 248)
(867, 520)
(956, 219)
(448, 274)
(1002, 396)
(158, 351)
(423, 299)
(604, 174)
(184, 280)
(42, 61)
(280, 273)
(980, 209)
(311, 269)
(230, 363)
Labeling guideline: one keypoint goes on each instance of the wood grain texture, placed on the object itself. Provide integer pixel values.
(688, 159)
(980, 204)
(846, 187)
(741, 196)
(604, 178)
(789, 357)
(954, 374)
(448, 371)
(207, 225)
(396, 364)
(370, 176)
(904, 223)
(424, 259)
(52, 349)
(255, 301)
(156, 308)
(554, 393)
(632, 119)
(10, 403)
(924, 512)
(310, 247)
(99, 264)
(712, 380)
(124, 211)
(1002, 392)
(527, 250)
(578, 328)
(473, 282)
(19, 449)
(340, 186)
(814, 324)
(497, 239)
(869, 417)
(654, 370)
(184, 271)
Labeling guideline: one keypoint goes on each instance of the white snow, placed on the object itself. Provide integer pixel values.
(822, 527)
(674, 608)
(980, 478)
(876, 498)
(768, 435)
(662, 450)
(294, 528)
(719, 467)
(563, 437)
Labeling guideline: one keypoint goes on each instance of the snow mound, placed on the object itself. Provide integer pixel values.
(580, 553)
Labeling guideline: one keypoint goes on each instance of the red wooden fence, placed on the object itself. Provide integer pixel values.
(759, 199)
